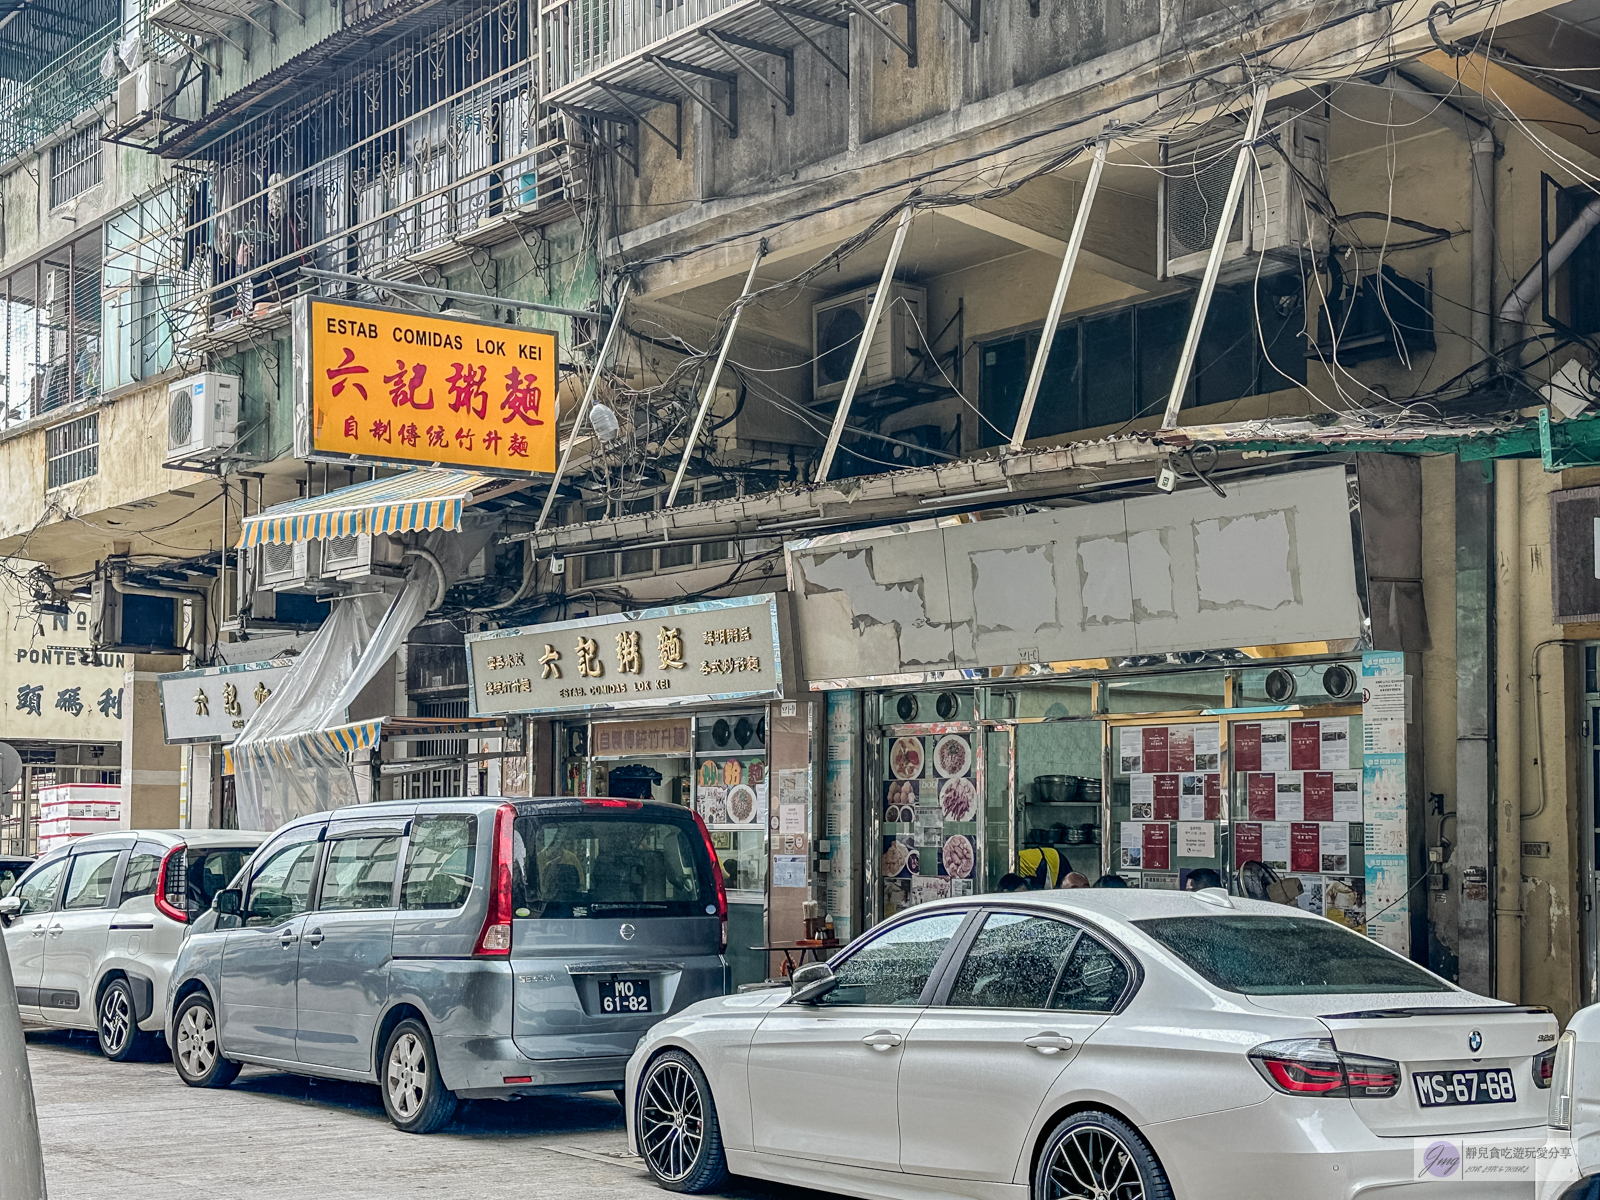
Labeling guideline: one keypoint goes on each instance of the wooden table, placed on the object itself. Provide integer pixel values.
(789, 949)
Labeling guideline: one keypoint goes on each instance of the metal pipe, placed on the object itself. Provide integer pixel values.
(448, 294)
(716, 374)
(1208, 282)
(588, 399)
(1508, 730)
(1530, 285)
(193, 595)
(1047, 336)
(885, 286)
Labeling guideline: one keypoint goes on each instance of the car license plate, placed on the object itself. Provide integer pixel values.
(1437, 1089)
(624, 995)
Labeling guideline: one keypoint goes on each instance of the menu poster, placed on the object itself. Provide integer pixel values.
(1141, 797)
(1131, 843)
(1318, 794)
(1305, 848)
(900, 858)
(1180, 748)
(1246, 747)
(1347, 796)
(1261, 798)
(1334, 837)
(933, 887)
(789, 870)
(1335, 743)
(1305, 745)
(1130, 758)
(1275, 845)
(1313, 889)
(1166, 881)
(1275, 746)
(1213, 797)
(930, 829)
(1192, 797)
(1154, 748)
(1246, 843)
(1290, 796)
(1197, 839)
(1207, 748)
(1345, 901)
(1157, 840)
(1166, 797)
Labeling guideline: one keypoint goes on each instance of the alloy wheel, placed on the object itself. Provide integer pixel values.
(116, 1020)
(407, 1076)
(1092, 1163)
(197, 1041)
(671, 1121)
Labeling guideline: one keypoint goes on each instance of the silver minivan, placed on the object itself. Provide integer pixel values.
(473, 948)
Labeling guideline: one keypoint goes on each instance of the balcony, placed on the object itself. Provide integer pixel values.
(56, 95)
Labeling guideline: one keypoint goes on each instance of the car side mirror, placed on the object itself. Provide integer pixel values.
(228, 902)
(10, 908)
(810, 983)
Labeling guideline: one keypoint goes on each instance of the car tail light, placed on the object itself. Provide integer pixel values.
(616, 803)
(495, 940)
(1313, 1067)
(172, 885)
(1544, 1068)
(1561, 1081)
(722, 889)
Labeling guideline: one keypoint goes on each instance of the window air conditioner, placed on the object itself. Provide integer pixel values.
(360, 554)
(1279, 215)
(144, 93)
(202, 417)
(836, 326)
(288, 567)
(132, 623)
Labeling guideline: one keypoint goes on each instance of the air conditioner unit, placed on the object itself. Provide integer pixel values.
(288, 566)
(202, 417)
(360, 554)
(262, 605)
(836, 326)
(131, 623)
(144, 93)
(1279, 216)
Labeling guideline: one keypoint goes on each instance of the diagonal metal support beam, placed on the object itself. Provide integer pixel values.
(880, 301)
(716, 374)
(908, 47)
(782, 11)
(598, 118)
(972, 20)
(795, 10)
(1219, 245)
(785, 95)
(671, 68)
(1047, 336)
(588, 400)
(293, 12)
(676, 142)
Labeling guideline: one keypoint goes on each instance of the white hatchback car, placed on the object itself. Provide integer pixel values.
(1097, 1044)
(93, 928)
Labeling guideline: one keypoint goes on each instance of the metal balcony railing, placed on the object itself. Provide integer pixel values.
(57, 95)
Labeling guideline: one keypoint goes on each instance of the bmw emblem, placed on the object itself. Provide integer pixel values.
(1475, 1041)
(627, 932)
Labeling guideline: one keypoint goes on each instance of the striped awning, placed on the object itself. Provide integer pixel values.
(332, 747)
(426, 499)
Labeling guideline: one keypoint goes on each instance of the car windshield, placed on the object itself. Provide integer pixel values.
(1286, 956)
(621, 863)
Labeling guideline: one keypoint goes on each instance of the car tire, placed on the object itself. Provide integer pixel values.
(1089, 1152)
(116, 1024)
(196, 1048)
(677, 1127)
(414, 1095)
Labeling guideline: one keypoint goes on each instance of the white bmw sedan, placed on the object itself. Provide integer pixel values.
(1092, 1045)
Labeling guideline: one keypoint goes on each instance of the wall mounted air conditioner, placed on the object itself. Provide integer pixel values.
(1279, 216)
(836, 326)
(133, 623)
(361, 554)
(145, 92)
(202, 418)
(288, 567)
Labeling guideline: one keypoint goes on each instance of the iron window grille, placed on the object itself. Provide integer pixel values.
(74, 165)
(72, 451)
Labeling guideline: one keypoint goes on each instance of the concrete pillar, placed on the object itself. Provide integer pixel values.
(150, 768)
(204, 791)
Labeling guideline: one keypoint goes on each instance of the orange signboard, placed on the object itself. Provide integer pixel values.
(384, 385)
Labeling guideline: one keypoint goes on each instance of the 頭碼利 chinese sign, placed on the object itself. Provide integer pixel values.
(380, 385)
(721, 649)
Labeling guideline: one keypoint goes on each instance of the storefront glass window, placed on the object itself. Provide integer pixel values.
(1183, 692)
(1044, 701)
(1167, 812)
(1058, 781)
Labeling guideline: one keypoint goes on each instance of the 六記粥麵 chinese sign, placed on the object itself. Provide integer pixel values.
(723, 648)
(375, 384)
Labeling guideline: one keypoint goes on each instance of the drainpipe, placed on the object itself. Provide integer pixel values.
(1481, 139)
(1515, 309)
(1508, 730)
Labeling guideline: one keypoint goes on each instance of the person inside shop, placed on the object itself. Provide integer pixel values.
(1111, 881)
(1012, 882)
(1042, 867)
(1075, 879)
(1205, 877)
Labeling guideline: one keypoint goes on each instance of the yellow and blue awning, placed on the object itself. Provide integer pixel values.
(414, 500)
(332, 747)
